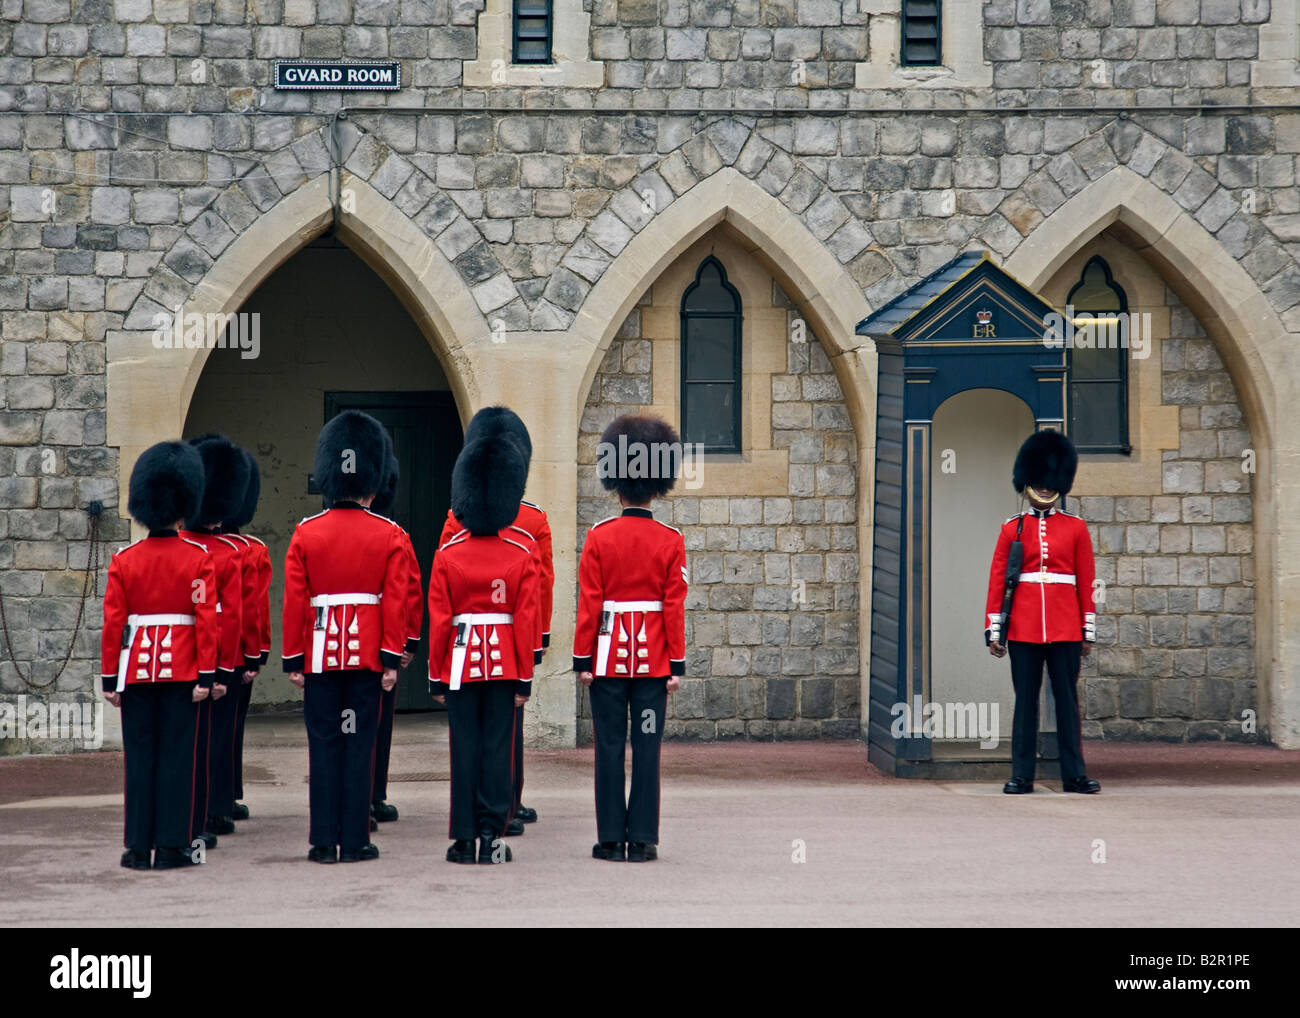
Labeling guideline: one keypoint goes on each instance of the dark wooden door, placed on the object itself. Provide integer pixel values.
(426, 440)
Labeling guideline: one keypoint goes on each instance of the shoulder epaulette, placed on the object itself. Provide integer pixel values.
(521, 530)
(605, 520)
(222, 537)
(663, 524)
(1064, 513)
(308, 519)
(257, 539)
(380, 516)
(127, 547)
(526, 551)
(532, 505)
(455, 539)
(201, 547)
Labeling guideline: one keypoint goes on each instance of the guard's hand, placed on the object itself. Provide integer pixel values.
(440, 699)
(585, 678)
(218, 691)
(1087, 648)
(200, 693)
(249, 675)
(407, 657)
(674, 683)
(115, 698)
(520, 700)
(297, 679)
(390, 679)
(997, 649)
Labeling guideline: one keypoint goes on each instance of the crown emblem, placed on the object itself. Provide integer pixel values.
(983, 317)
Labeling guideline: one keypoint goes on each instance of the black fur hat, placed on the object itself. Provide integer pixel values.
(166, 485)
(225, 472)
(640, 456)
(487, 483)
(495, 421)
(1047, 459)
(383, 503)
(351, 456)
(244, 515)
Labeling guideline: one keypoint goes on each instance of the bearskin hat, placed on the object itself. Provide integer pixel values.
(496, 421)
(225, 472)
(1047, 460)
(487, 483)
(384, 498)
(639, 458)
(351, 456)
(244, 515)
(166, 485)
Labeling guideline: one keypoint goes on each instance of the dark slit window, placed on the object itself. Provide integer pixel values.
(921, 33)
(534, 23)
(1098, 371)
(711, 317)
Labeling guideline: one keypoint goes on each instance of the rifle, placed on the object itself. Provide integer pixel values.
(1015, 560)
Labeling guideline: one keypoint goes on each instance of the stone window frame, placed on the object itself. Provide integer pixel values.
(961, 47)
(571, 67)
(736, 317)
(1278, 63)
(1125, 445)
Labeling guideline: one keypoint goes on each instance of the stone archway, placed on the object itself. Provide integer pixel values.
(1252, 341)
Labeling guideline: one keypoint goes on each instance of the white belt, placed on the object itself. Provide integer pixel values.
(458, 648)
(1047, 578)
(610, 609)
(134, 623)
(328, 601)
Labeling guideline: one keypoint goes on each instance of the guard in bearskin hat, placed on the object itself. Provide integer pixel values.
(494, 423)
(226, 475)
(380, 810)
(257, 621)
(1040, 607)
(483, 640)
(346, 586)
(159, 655)
(629, 643)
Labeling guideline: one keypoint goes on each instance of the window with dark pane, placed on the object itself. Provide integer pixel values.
(534, 23)
(921, 33)
(711, 319)
(1098, 375)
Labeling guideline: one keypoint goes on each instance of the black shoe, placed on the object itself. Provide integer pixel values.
(489, 845)
(174, 858)
(208, 838)
(323, 853)
(240, 812)
(362, 854)
(220, 825)
(383, 812)
(374, 824)
(640, 851)
(611, 851)
(527, 814)
(1018, 786)
(133, 860)
(514, 828)
(461, 851)
(1084, 785)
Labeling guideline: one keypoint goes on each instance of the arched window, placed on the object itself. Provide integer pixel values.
(711, 317)
(1098, 362)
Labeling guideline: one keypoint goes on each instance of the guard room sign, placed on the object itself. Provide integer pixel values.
(338, 75)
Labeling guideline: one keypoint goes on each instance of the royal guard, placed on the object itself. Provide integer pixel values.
(629, 644)
(345, 622)
(225, 483)
(530, 521)
(159, 651)
(483, 639)
(1040, 607)
(257, 620)
(380, 810)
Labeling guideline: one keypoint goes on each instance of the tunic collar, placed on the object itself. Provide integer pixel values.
(634, 510)
(163, 533)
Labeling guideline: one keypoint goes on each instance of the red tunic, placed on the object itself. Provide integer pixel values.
(483, 596)
(629, 564)
(251, 626)
(228, 560)
(532, 520)
(162, 592)
(262, 555)
(1054, 599)
(352, 564)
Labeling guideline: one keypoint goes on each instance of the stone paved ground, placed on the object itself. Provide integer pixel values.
(1195, 835)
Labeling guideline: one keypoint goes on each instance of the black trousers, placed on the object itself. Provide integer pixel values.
(1062, 660)
(636, 817)
(342, 714)
(481, 716)
(221, 754)
(159, 728)
(383, 745)
(245, 698)
(202, 755)
(517, 771)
